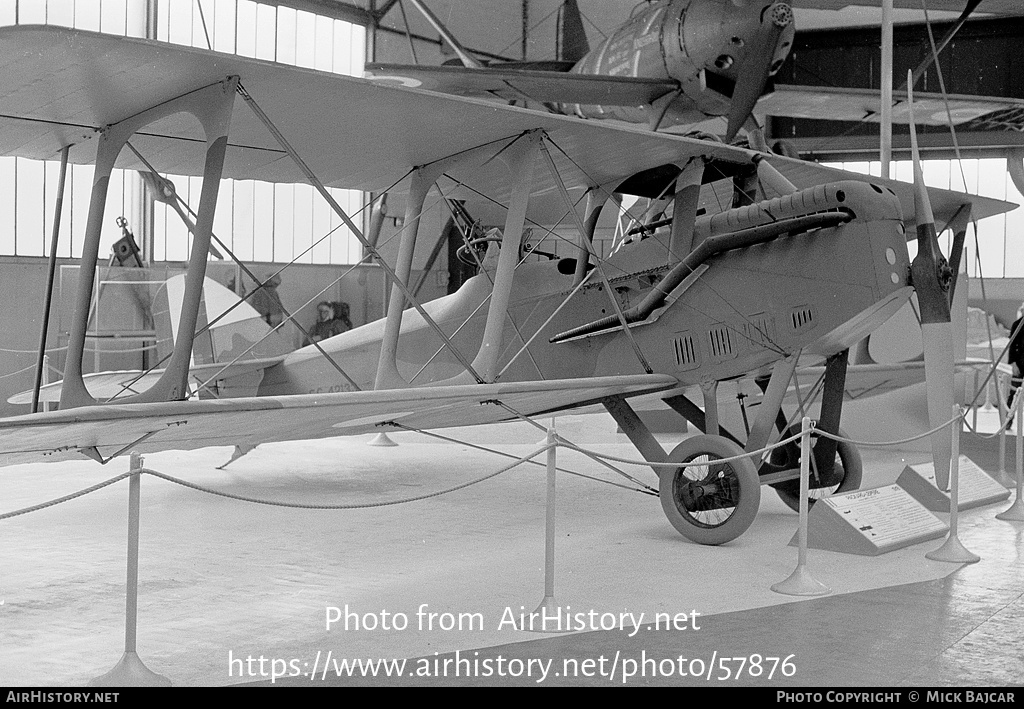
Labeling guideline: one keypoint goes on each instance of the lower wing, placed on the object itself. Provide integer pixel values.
(104, 432)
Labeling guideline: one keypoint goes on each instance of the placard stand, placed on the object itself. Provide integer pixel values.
(977, 488)
(871, 522)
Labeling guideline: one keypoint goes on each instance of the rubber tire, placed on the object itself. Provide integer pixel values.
(849, 458)
(749, 491)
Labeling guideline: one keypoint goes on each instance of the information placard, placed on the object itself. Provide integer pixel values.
(870, 522)
(977, 488)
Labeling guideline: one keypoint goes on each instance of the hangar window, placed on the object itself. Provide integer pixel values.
(259, 221)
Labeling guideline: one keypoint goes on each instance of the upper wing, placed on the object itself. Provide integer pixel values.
(516, 84)
(352, 133)
(818, 102)
(841, 104)
(102, 432)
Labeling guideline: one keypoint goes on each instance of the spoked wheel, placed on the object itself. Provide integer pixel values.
(845, 477)
(710, 503)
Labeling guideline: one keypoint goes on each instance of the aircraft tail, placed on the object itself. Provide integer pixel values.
(238, 330)
(234, 350)
(572, 38)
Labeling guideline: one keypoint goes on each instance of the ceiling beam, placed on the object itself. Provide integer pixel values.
(385, 8)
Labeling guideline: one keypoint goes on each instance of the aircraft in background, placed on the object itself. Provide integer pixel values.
(719, 293)
(675, 64)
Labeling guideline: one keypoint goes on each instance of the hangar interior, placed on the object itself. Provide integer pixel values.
(223, 581)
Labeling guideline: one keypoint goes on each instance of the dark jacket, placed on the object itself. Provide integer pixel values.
(1016, 353)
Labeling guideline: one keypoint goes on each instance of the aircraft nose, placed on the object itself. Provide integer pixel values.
(780, 14)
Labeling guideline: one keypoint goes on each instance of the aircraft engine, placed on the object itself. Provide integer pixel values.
(722, 53)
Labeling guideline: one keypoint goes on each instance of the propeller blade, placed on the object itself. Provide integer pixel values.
(931, 279)
(753, 74)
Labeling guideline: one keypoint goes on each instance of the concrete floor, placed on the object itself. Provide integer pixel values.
(223, 579)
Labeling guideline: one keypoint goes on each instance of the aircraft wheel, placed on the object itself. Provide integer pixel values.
(709, 503)
(847, 475)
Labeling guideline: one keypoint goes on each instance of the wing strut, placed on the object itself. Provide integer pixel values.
(356, 231)
(596, 199)
(51, 269)
(600, 270)
(212, 107)
(163, 191)
(521, 155)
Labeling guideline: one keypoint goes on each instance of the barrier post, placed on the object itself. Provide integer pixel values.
(1004, 412)
(46, 377)
(988, 391)
(1015, 513)
(975, 405)
(952, 550)
(130, 671)
(800, 582)
(548, 608)
(1002, 452)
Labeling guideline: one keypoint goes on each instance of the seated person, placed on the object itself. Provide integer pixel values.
(341, 316)
(327, 325)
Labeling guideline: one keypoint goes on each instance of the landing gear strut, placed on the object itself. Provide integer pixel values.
(843, 476)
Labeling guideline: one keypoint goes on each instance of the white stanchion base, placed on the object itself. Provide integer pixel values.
(382, 440)
(130, 671)
(801, 583)
(1006, 480)
(1014, 513)
(953, 551)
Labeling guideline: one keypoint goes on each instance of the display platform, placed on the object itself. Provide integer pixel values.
(222, 579)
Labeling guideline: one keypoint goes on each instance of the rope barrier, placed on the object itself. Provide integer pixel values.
(23, 369)
(646, 488)
(360, 506)
(668, 464)
(272, 503)
(559, 442)
(886, 444)
(66, 498)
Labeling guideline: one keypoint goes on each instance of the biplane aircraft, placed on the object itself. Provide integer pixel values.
(712, 296)
(674, 65)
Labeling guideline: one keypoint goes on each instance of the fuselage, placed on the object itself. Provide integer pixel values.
(751, 306)
(707, 46)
